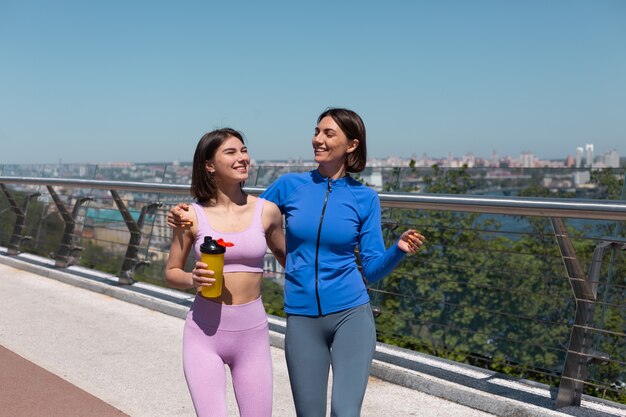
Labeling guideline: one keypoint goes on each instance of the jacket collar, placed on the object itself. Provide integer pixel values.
(317, 177)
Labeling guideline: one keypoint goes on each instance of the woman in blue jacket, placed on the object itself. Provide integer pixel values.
(328, 215)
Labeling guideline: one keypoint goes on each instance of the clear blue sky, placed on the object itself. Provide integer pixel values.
(96, 81)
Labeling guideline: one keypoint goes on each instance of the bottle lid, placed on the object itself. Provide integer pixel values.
(211, 246)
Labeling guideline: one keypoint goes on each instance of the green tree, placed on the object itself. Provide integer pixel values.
(610, 183)
(471, 296)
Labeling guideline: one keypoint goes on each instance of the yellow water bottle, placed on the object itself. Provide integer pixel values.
(212, 254)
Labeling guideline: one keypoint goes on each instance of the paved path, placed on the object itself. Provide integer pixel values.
(100, 356)
(29, 390)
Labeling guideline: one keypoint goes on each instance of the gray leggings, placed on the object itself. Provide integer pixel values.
(346, 340)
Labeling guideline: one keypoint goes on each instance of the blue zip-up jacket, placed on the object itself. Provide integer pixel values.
(325, 220)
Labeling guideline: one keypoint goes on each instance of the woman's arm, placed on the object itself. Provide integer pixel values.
(376, 261)
(274, 235)
(175, 275)
(182, 242)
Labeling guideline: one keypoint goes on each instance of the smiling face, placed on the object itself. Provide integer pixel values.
(330, 144)
(231, 161)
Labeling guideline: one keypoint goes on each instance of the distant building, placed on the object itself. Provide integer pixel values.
(494, 159)
(579, 157)
(581, 178)
(611, 159)
(469, 159)
(374, 178)
(527, 160)
(589, 155)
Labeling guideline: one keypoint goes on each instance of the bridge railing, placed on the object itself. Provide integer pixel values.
(529, 287)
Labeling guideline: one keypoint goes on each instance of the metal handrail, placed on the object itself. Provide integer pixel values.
(142, 187)
(520, 206)
(584, 287)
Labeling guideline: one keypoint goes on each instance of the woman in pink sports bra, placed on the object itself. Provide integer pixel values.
(231, 329)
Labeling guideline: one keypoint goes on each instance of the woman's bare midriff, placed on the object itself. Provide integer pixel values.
(239, 288)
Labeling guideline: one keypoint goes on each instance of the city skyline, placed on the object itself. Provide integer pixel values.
(143, 81)
(526, 159)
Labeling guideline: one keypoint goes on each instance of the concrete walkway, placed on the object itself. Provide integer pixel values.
(107, 357)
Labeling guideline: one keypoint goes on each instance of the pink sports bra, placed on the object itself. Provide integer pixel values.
(249, 245)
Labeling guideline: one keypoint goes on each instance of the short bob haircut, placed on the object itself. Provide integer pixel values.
(203, 187)
(353, 127)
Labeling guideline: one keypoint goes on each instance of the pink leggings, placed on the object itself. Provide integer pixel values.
(235, 335)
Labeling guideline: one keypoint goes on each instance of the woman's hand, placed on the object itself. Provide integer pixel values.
(201, 276)
(411, 241)
(178, 216)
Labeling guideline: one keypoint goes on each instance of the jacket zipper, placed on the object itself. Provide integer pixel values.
(317, 249)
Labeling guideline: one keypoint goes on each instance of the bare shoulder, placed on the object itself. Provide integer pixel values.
(270, 208)
(271, 215)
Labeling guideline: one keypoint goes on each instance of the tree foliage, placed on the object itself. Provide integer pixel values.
(482, 295)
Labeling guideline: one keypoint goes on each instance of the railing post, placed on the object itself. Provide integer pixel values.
(131, 259)
(585, 289)
(17, 237)
(66, 255)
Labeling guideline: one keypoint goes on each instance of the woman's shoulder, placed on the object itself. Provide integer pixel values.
(293, 178)
(261, 203)
(361, 189)
(254, 201)
(269, 206)
(251, 200)
(364, 197)
(285, 185)
(270, 214)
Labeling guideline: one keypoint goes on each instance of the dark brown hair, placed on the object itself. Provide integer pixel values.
(203, 187)
(353, 127)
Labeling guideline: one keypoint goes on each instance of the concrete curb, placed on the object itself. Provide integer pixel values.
(474, 387)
